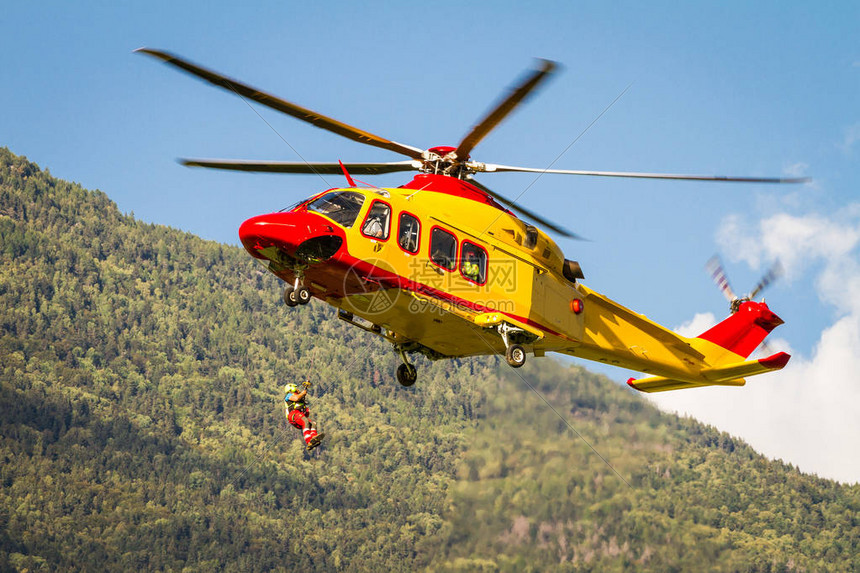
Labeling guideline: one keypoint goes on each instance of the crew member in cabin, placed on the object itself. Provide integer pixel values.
(471, 269)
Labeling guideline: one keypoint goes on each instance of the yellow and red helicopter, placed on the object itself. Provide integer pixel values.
(444, 267)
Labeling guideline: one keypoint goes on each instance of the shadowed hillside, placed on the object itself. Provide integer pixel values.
(141, 427)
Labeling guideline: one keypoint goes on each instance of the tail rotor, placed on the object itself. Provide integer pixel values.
(715, 268)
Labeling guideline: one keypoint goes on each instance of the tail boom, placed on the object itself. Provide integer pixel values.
(725, 348)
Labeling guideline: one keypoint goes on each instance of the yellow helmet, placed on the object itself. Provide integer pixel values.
(291, 388)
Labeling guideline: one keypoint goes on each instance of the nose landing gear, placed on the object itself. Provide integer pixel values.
(297, 293)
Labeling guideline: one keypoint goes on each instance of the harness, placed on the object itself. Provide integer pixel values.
(291, 405)
(301, 406)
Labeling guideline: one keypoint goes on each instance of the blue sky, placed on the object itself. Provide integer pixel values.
(728, 88)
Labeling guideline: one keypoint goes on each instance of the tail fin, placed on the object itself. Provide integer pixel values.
(744, 330)
(725, 346)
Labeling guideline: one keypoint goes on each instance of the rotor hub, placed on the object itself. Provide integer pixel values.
(443, 160)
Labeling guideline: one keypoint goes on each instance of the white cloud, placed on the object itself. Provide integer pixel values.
(697, 325)
(734, 240)
(796, 169)
(809, 413)
(852, 136)
(797, 242)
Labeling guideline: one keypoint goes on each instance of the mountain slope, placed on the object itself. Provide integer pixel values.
(141, 426)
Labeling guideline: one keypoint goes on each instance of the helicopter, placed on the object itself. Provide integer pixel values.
(445, 267)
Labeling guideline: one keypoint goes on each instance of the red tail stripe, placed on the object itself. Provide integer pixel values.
(744, 330)
(776, 361)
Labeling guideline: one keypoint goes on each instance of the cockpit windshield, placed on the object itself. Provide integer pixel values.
(292, 207)
(340, 206)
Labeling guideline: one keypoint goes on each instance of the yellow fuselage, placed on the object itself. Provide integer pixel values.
(409, 297)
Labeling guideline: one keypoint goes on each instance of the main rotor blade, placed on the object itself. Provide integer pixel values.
(523, 211)
(714, 267)
(494, 168)
(304, 114)
(774, 273)
(503, 108)
(302, 167)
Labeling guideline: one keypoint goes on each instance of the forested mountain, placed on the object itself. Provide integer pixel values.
(142, 428)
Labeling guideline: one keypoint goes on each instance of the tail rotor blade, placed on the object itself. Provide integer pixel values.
(718, 274)
(774, 273)
(765, 348)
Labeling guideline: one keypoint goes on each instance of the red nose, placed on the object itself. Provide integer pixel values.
(300, 235)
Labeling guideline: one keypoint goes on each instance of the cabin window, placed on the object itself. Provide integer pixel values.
(342, 207)
(531, 237)
(443, 248)
(473, 263)
(409, 232)
(378, 221)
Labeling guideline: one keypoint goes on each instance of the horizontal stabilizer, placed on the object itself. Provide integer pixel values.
(748, 368)
(729, 375)
(662, 384)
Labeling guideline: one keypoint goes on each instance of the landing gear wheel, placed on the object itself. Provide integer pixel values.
(303, 295)
(290, 298)
(407, 374)
(515, 355)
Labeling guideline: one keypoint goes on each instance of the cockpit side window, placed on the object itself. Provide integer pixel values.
(377, 224)
(443, 248)
(409, 232)
(342, 207)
